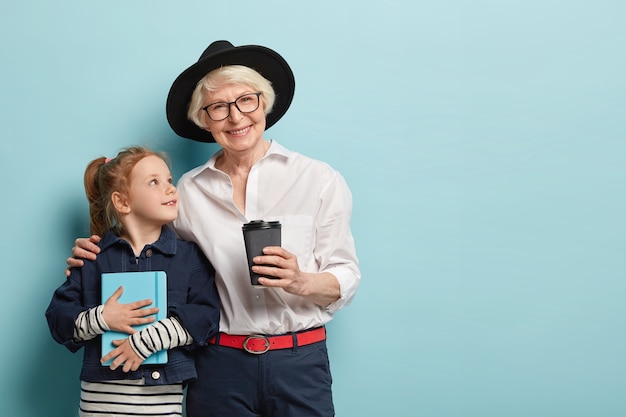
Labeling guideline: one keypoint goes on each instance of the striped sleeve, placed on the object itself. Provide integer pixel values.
(89, 324)
(163, 335)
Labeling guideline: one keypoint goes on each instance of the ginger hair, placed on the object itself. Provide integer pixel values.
(104, 176)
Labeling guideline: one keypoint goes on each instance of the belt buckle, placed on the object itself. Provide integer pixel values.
(256, 337)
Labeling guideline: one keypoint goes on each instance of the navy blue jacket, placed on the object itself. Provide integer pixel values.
(191, 297)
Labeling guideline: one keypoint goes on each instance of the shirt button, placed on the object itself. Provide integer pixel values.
(156, 375)
(149, 253)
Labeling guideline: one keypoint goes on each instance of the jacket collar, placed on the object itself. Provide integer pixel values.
(166, 243)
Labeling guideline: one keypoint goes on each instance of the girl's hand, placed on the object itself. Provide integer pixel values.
(120, 317)
(123, 355)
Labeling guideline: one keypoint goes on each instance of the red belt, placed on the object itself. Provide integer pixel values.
(259, 344)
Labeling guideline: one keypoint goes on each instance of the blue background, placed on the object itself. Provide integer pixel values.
(484, 142)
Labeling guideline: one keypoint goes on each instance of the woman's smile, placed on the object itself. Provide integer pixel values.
(239, 132)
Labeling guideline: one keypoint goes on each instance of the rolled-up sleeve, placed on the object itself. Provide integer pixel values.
(335, 248)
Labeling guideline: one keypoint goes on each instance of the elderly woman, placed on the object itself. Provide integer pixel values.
(270, 358)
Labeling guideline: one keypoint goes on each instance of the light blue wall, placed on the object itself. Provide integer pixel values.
(484, 142)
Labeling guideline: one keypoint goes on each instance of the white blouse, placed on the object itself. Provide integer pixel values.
(314, 205)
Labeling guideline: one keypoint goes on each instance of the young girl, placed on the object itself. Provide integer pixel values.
(132, 198)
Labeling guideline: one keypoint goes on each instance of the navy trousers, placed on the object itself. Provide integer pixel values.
(293, 382)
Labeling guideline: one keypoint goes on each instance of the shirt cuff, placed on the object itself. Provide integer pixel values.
(348, 284)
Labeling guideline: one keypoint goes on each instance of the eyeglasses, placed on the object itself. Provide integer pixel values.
(221, 110)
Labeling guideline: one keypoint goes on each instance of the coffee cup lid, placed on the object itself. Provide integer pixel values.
(261, 224)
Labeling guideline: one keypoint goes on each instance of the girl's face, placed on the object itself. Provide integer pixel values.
(239, 132)
(153, 197)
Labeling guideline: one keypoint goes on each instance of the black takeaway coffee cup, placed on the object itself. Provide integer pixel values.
(258, 234)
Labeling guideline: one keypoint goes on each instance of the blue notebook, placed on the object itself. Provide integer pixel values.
(137, 286)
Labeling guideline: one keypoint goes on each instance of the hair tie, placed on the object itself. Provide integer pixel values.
(107, 160)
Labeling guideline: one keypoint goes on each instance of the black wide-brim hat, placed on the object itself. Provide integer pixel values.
(265, 61)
